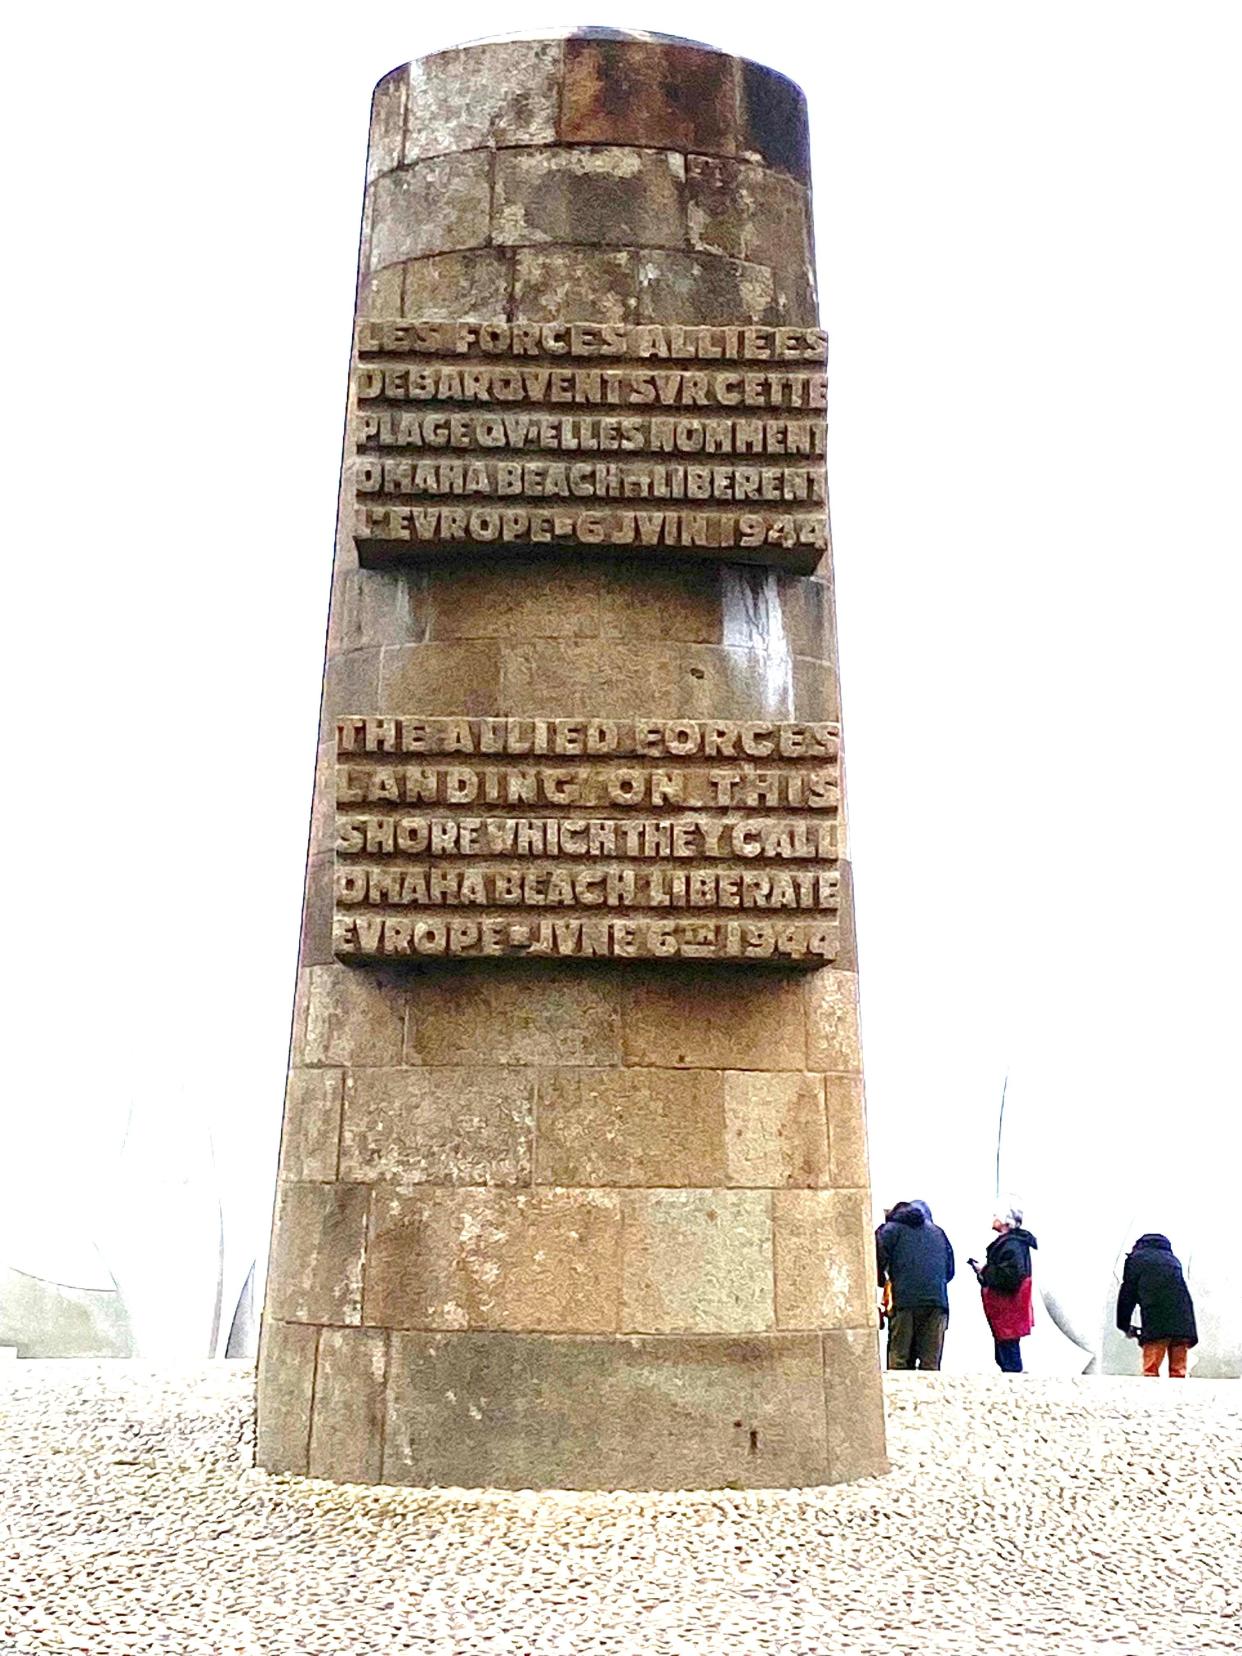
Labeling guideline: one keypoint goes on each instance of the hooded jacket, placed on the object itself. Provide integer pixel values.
(1006, 1283)
(917, 1259)
(1153, 1280)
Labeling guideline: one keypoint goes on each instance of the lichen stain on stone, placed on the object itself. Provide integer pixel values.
(838, 1285)
(482, 98)
(757, 290)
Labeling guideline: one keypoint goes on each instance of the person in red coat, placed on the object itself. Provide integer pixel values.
(1005, 1278)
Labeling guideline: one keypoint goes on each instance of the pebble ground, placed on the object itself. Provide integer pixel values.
(1021, 1515)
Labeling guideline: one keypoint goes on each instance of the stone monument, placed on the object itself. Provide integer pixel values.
(573, 1177)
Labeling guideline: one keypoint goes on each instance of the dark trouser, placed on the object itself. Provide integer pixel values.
(1009, 1356)
(916, 1338)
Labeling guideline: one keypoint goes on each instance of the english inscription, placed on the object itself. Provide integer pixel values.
(622, 839)
(706, 440)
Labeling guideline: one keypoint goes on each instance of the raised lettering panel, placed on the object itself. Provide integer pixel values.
(617, 839)
(644, 439)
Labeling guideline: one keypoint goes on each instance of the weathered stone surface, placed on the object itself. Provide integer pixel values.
(855, 1405)
(379, 291)
(815, 691)
(808, 615)
(703, 1017)
(351, 679)
(649, 94)
(346, 553)
(364, 239)
(582, 678)
(310, 1135)
(481, 97)
(606, 196)
(352, 1018)
(847, 1131)
(347, 1428)
(471, 286)
(318, 1241)
(825, 1268)
(774, 125)
(685, 603)
(543, 1260)
(438, 678)
(585, 678)
(287, 1378)
(317, 907)
(697, 1261)
(833, 1042)
(775, 1132)
(387, 123)
(470, 600)
(795, 302)
(662, 1412)
(631, 1127)
(438, 1126)
(747, 212)
(374, 607)
(492, 1015)
(752, 614)
(717, 288)
(551, 284)
(436, 206)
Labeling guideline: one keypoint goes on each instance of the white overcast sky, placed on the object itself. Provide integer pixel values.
(1030, 270)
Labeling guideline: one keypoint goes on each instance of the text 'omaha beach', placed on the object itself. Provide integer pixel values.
(472, 434)
(737, 823)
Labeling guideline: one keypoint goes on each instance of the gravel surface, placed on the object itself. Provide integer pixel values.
(1022, 1515)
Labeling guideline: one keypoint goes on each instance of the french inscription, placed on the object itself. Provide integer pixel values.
(706, 440)
(623, 839)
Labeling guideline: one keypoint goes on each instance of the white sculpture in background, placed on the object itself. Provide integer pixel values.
(144, 1265)
(157, 1255)
(1087, 1224)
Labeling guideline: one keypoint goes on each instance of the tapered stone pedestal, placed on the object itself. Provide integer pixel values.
(589, 1222)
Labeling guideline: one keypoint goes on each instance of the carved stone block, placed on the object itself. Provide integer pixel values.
(646, 438)
(588, 838)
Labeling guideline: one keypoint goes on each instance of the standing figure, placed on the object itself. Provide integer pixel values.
(881, 1274)
(915, 1258)
(1005, 1278)
(1153, 1280)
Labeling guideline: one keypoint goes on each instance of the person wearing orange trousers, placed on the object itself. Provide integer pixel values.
(1152, 1280)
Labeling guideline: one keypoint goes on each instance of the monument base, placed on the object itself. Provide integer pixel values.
(533, 1411)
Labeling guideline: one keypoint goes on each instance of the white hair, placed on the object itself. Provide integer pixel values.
(1011, 1215)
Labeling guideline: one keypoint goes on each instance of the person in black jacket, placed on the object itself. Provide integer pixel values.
(915, 1257)
(1153, 1280)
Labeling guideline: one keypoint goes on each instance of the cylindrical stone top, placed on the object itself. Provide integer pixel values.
(576, 1222)
(600, 142)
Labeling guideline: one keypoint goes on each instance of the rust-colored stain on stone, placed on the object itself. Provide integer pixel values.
(662, 97)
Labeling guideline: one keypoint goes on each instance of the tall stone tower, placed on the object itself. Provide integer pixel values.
(573, 1178)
